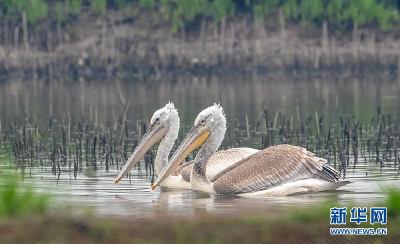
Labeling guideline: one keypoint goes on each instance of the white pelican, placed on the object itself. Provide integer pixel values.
(274, 171)
(164, 128)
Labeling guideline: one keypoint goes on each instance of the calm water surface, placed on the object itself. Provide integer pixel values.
(98, 102)
(95, 102)
(134, 197)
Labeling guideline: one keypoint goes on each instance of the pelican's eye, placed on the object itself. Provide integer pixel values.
(158, 119)
(202, 121)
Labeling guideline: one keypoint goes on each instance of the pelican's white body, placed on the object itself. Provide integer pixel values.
(297, 187)
(176, 182)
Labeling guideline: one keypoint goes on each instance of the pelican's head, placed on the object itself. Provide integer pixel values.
(209, 126)
(161, 122)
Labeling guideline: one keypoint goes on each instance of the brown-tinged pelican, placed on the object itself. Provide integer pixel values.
(274, 171)
(164, 128)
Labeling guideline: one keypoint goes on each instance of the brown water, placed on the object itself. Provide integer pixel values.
(94, 102)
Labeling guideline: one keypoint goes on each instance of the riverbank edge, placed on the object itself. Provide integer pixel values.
(241, 228)
(113, 46)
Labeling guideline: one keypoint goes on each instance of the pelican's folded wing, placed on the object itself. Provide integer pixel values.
(272, 166)
(216, 163)
(223, 159)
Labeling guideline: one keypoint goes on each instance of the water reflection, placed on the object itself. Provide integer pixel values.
(135, 197)
(100, 102)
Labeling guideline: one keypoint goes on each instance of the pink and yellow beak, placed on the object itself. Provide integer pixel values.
(151, 137)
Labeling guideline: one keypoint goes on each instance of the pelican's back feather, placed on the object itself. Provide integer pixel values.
(272, 166)
(222, 159)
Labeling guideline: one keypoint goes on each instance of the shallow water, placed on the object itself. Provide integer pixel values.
(99, 102)
(96, 191)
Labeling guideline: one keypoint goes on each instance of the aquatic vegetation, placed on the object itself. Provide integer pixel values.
(70, 146)
(17, 199)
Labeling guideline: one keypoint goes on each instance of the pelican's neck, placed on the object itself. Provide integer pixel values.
(165, 147)
(209, 147)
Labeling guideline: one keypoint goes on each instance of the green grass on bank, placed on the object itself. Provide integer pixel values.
(17, 199)
(393, 202)
(180, 13)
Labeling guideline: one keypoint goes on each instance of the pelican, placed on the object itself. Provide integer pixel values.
(275, 171)
(164, 128)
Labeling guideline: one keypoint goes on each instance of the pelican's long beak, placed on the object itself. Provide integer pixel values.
(153, 135)
(195, 138)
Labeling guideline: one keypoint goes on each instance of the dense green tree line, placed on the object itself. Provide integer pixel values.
(341, 13)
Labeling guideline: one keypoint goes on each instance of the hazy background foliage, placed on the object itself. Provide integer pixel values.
(340, 13)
